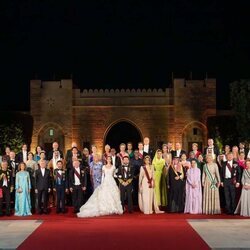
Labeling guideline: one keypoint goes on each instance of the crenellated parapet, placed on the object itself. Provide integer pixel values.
(124, 92)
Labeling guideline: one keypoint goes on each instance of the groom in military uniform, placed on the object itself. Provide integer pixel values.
(125, 175)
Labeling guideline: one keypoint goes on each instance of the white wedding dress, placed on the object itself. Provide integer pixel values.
(106, 198)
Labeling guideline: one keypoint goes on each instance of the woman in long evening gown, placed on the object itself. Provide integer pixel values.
(96, 171)
(211, 184)
(193, 204)
(147, 199)
(106, 198)
(160, 180)
(23, 187)
(243, 207)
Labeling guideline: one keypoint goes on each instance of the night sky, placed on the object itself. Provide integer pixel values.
(121, 44)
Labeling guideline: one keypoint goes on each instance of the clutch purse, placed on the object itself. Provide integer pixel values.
(1, 193)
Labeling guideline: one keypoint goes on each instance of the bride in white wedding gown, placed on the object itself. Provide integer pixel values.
(106, 198)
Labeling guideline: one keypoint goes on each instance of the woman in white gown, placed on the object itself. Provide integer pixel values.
(106, 198)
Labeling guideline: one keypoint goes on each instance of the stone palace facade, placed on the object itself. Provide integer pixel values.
(65, 114)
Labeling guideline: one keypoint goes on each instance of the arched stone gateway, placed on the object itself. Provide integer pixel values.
(122, 131)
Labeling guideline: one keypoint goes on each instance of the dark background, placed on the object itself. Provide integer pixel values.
(121, 44)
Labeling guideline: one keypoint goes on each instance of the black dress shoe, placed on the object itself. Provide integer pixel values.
(7, 214)
(45, 211)
(58, 211)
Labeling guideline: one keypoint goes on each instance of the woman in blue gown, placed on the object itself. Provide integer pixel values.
(96, 172)
(23, 187)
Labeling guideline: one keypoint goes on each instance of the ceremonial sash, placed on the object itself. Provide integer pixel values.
(77, 175)
(148, 178)
(58, 175)
(229, 167)
(231, 170)
(210, 177)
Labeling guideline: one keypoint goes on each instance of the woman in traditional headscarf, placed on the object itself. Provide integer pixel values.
(160, 181)
(193, 204)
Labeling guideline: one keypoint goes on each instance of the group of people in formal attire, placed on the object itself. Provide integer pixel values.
(156, 181)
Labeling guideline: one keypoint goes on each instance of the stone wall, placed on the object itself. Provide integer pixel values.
(162, 115)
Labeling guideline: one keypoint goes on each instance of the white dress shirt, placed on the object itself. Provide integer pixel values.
(43, 171)
(113, 160)
(146, 148)
(125, 172)
(24, 156)
(178, 152)
(77, 181)
(5, 182)
(228, 173)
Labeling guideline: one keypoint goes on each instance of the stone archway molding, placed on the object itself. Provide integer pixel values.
(192, 123)
(48, 125)
(118, 121)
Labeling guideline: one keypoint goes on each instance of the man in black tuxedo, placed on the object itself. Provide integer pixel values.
(55, 147)
(6, 187)
(125, 176)
(141, 151)
(42, 187)
(69, 153)
(77, 185)
(136, 162)
(12, 163)
(23, 155)
(147, 148)
(211, 148)
(60, 186)
(230, 180)
(116, 160)
(178, 151)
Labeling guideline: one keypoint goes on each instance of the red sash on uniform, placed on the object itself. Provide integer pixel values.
(149, 179)
(58, 175)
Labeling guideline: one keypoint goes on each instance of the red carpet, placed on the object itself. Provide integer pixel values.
(115, 233)
(129, 231)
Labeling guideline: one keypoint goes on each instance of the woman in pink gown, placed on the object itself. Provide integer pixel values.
(193, 204)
